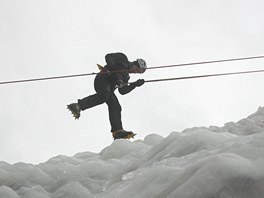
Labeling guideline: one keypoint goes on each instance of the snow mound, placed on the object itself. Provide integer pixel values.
(200, 162)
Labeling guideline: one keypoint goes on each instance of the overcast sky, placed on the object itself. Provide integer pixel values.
(61, 37)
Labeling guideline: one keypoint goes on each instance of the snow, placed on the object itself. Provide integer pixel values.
(200, 162)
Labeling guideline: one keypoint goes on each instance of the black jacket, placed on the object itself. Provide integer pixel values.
(119, 62)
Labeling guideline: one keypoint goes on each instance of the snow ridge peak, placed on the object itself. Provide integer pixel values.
(199, 162)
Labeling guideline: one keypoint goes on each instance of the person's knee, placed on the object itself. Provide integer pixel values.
(118, 107)
(114, 106)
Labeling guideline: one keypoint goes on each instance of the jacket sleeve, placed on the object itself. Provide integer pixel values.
(126, 89)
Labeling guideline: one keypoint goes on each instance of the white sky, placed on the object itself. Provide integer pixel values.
(60, 37)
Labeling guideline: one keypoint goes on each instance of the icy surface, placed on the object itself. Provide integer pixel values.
(219, 162)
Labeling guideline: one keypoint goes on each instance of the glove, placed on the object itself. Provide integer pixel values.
(139, 82)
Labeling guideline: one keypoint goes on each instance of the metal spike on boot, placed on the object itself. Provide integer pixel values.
(75, 109)
(122, 134)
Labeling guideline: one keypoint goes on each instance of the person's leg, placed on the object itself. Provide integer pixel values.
(103, 92)
(114, 109)
(91, 101)
(103, 88)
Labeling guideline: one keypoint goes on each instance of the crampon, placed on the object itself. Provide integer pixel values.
(122, 134)
(75, 110)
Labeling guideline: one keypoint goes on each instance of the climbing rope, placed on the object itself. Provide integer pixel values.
(205, 76)
(156, 67)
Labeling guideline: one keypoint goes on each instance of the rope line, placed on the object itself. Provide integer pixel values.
(156, 67)
(207, 62)
(204, 76)
(47, 78)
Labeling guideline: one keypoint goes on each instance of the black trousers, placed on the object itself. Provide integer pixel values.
(104, 94)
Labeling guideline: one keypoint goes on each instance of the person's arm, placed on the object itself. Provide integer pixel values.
(128, 88)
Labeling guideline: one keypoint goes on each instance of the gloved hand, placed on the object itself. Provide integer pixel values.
(139, 82)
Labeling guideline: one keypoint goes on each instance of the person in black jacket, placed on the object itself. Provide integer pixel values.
(114, 75)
